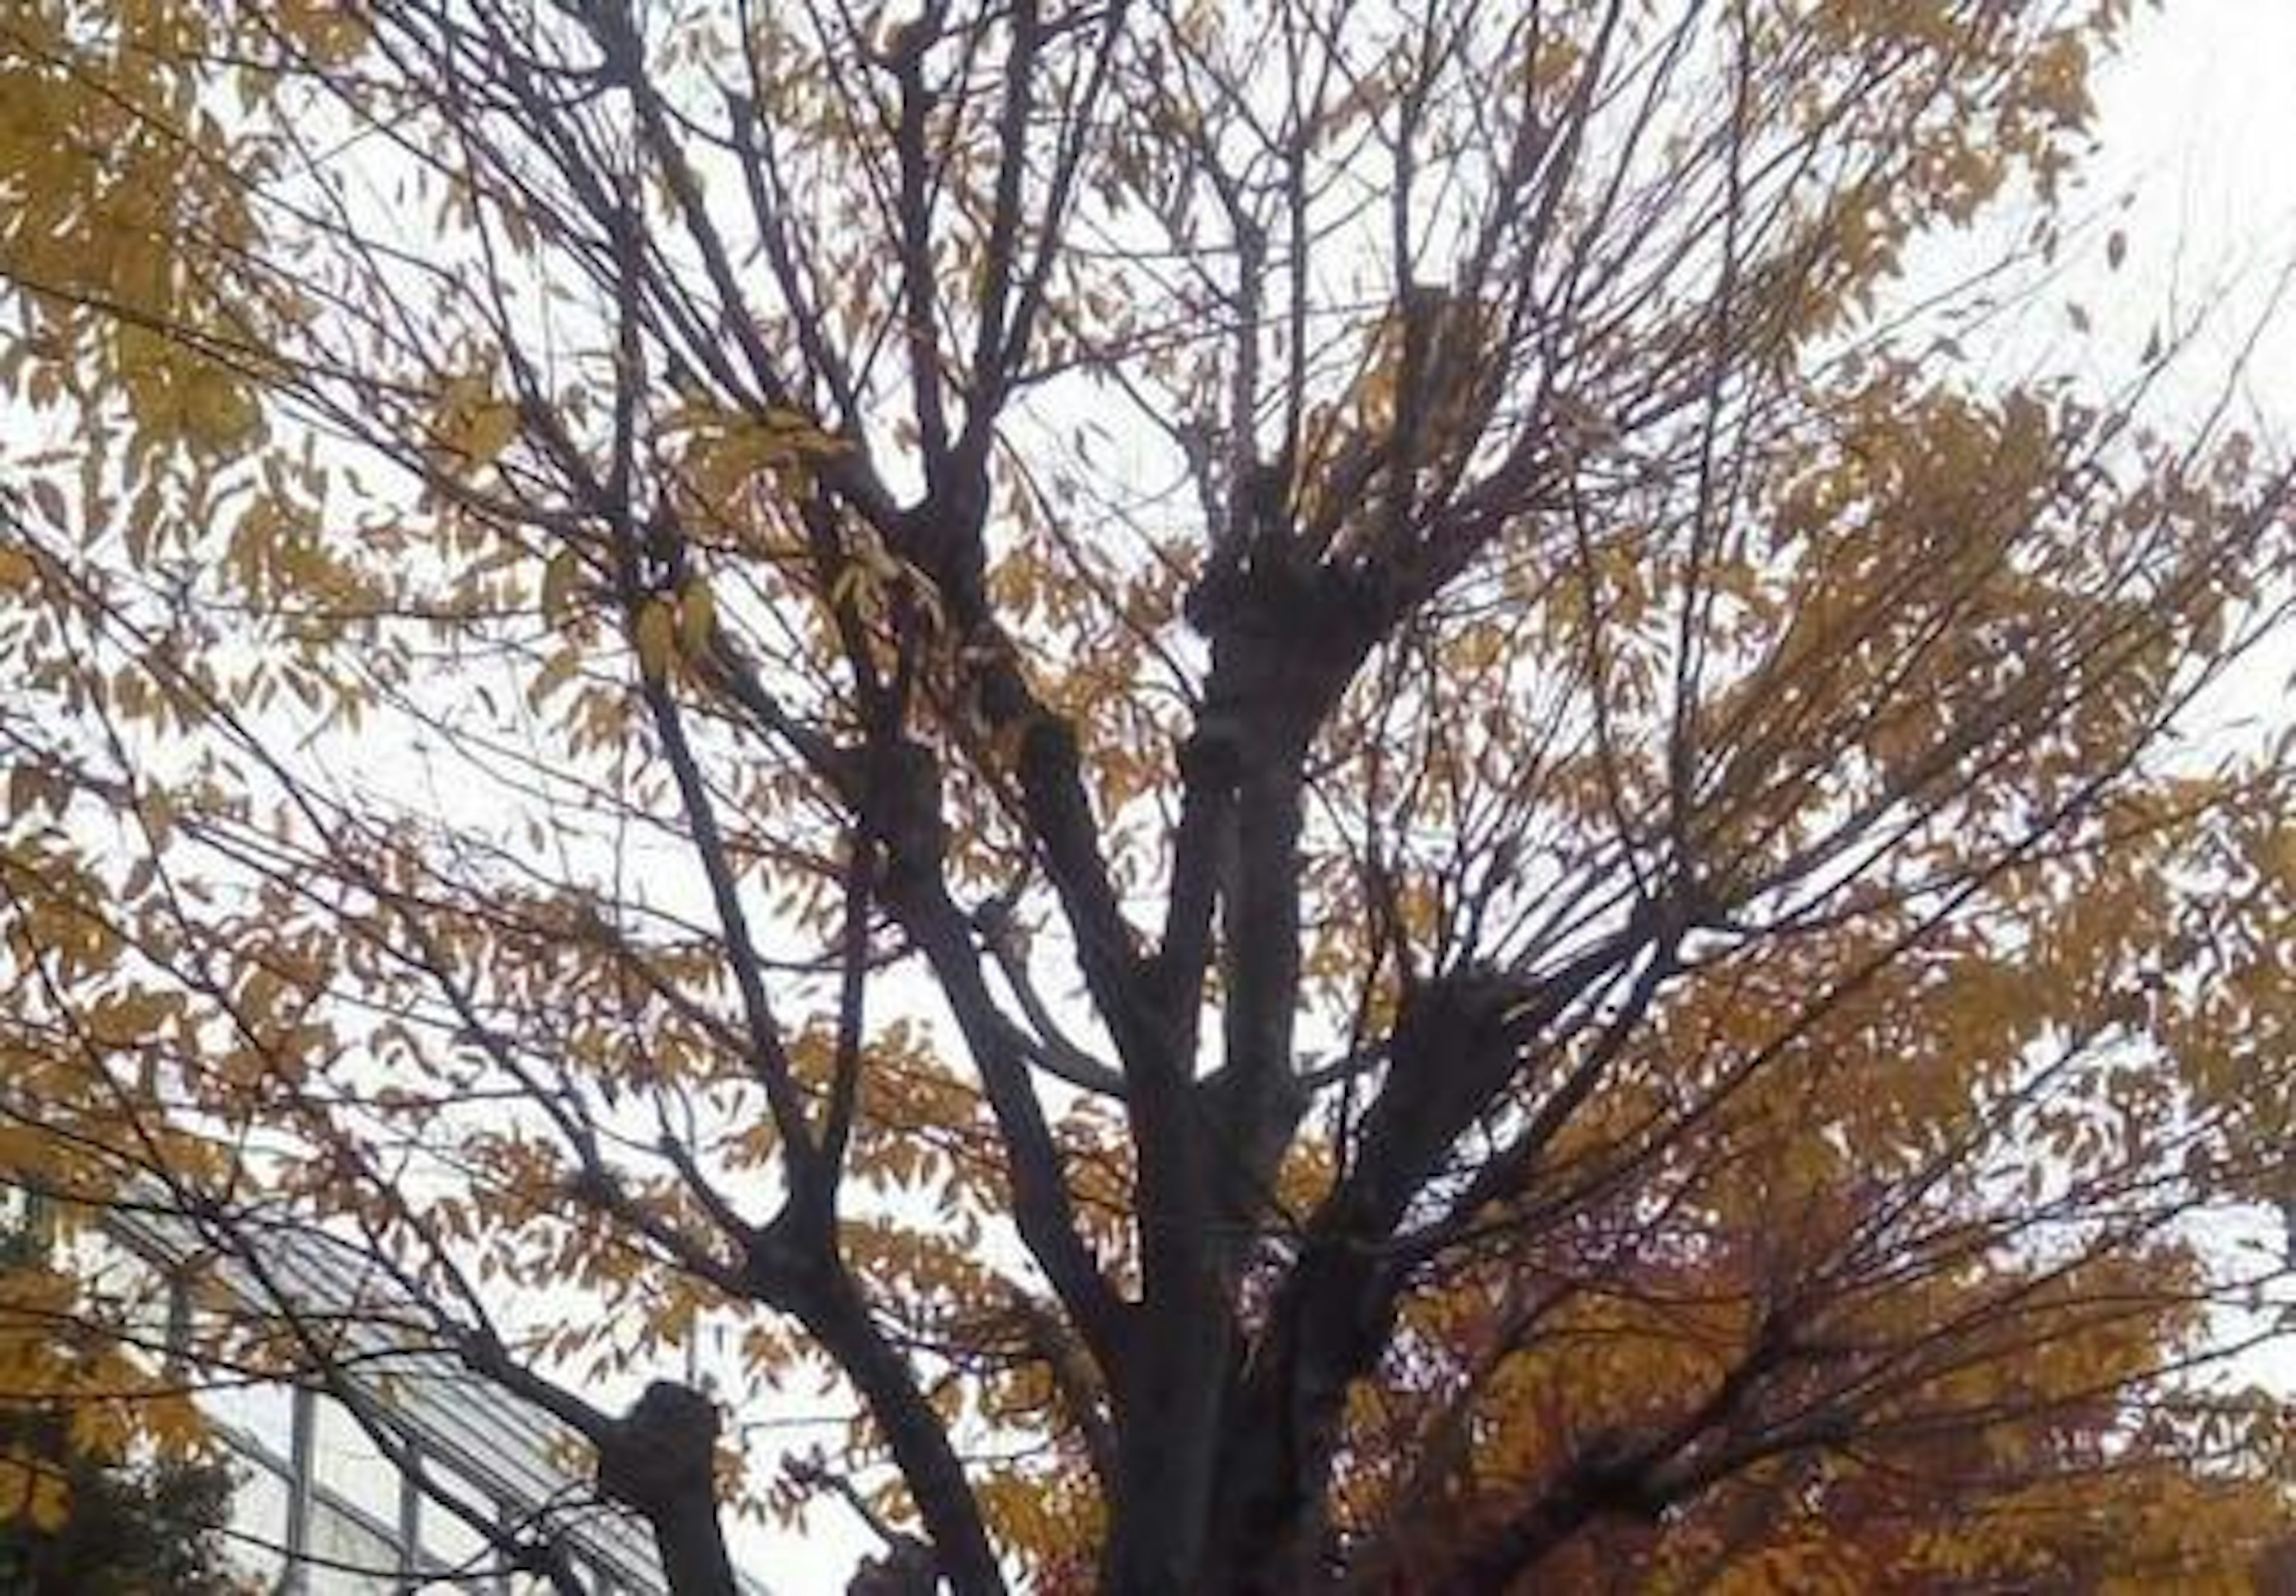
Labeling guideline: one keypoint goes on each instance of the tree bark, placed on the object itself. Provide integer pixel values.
(661, 1460)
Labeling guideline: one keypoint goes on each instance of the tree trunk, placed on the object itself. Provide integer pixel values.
(661, 1460)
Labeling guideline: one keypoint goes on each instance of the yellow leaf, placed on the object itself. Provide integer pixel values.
(657, 640)
(51, 1504)
(491, 428)
(559, 578)
(697, 619)
(474, 426)
(37, 1491)
(556, 672)
(327, 34)
(217, 412)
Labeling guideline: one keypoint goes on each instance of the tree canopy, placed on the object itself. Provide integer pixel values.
(1307, 795)
(85, 1517)
(123, 1529)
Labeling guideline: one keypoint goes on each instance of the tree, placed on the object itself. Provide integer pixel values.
(85, 1518)
(1306, 778)
(154, 1530)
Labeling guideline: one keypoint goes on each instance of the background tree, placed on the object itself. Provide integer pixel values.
(149, 1529)
(92, 1508)
(1292, 770)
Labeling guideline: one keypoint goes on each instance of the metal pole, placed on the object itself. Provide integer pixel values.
(302, 1442)
(410, 1518)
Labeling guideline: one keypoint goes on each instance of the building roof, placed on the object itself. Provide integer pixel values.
(513, 1452)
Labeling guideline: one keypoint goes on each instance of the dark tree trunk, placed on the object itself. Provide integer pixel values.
(661, 1460)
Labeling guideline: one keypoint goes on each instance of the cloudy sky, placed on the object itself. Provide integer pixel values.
(2198, 121)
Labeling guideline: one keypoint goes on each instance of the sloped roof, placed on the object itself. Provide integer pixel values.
(508, 1448)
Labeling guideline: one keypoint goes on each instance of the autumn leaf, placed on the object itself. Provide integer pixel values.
(655, 635)
(1176, 798)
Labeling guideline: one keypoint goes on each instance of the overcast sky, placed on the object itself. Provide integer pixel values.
(2203, 106)
(2198, 118)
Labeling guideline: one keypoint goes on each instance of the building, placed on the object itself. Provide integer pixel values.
(325, 1508)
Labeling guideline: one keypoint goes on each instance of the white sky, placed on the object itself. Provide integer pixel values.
(2201, 107)
(2198, 119)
